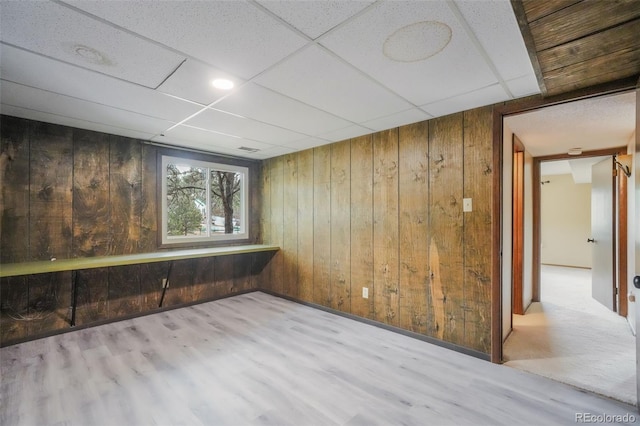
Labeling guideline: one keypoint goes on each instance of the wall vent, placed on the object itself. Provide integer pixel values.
(248, 149)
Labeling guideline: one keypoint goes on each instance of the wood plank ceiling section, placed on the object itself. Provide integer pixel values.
(579, 44)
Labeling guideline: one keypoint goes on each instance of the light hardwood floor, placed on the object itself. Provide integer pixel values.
(258, 359)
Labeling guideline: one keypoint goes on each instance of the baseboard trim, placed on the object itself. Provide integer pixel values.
(412, 334)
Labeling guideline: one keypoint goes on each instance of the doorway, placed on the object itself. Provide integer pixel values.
(542, 149)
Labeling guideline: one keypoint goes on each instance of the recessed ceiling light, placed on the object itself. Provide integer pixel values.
(222, 84)
(575, 151)
(417, 42)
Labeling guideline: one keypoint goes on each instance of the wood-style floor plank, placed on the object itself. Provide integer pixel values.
(255, 359)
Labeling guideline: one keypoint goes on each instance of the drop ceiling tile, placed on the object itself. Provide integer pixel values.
(306, 143)
(485, 96)
(243, 127)
(272, 152)
(523, 86)
(235, 36)
(496, 28)
(458, 67)
(59, 32)
(191, 140)
(346, 133)
(192, 81)
(35, 99)
(198, 136)
(395, 120)
(25, 68)
(317, 78)
(259, 103)
(315, 18)
(71, 122)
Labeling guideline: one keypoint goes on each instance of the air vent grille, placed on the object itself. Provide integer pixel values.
(248, 149)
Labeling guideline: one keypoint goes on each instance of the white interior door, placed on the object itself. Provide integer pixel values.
(603, 283)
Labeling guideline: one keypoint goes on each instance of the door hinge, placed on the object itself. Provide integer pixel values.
(615, 172)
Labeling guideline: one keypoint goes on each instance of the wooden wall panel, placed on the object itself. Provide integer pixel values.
(93, 295)
(125, 194)
(14, 190)
(180, 283)
(305, 225)
(124, 291)
(149, 200)
(91, 208)
(224, 276)
(414, 225)
(446, 292)
(581, 19)
(255, 204)
(243, 277)
(361, 226)
(277, 223)
(264, 278)
(93, 194)
(91, 221)
(425, 265)
(322, 225)
(385, 226)
(478, 178)
(340, 287)
(14, 308)
(49, 302)
(151, 275)
(51, 175)
(290, 226)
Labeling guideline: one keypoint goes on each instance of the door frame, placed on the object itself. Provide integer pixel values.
(515, 107)
(536, 203)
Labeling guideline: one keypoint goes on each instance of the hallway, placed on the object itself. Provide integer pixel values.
(571, 338)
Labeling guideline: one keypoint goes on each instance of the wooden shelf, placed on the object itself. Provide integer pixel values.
(42, 267)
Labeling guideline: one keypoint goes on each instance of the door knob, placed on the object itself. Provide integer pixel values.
(636, 281)
(591, 240)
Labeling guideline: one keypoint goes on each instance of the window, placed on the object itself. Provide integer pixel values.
(203, 201)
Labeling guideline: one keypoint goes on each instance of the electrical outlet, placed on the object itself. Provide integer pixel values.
(164, 282)
(365, 292)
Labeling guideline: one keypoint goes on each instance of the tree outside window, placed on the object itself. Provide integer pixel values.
(203, 201)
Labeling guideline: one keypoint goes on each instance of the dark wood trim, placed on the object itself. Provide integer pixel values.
(496, 250)
(535, 252)
(525, 30)
(622, 243)
(517, 258)
(594, 153)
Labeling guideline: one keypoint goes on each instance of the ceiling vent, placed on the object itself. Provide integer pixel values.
(246, 148)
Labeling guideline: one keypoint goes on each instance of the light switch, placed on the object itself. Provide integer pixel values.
(467, 205)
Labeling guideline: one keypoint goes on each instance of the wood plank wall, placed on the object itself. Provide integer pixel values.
(67, 193)
(384, 211)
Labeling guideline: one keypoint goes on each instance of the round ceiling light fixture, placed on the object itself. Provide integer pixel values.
(417, 42)
(222, 84)
(575, 151)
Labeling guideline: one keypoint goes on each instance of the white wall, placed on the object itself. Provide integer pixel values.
(565, 216)
(632, 228)
(507, 247)
(527, 282)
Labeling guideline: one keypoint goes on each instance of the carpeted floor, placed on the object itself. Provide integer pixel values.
(571, 338)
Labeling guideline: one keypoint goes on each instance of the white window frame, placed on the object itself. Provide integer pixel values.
(211, 237)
